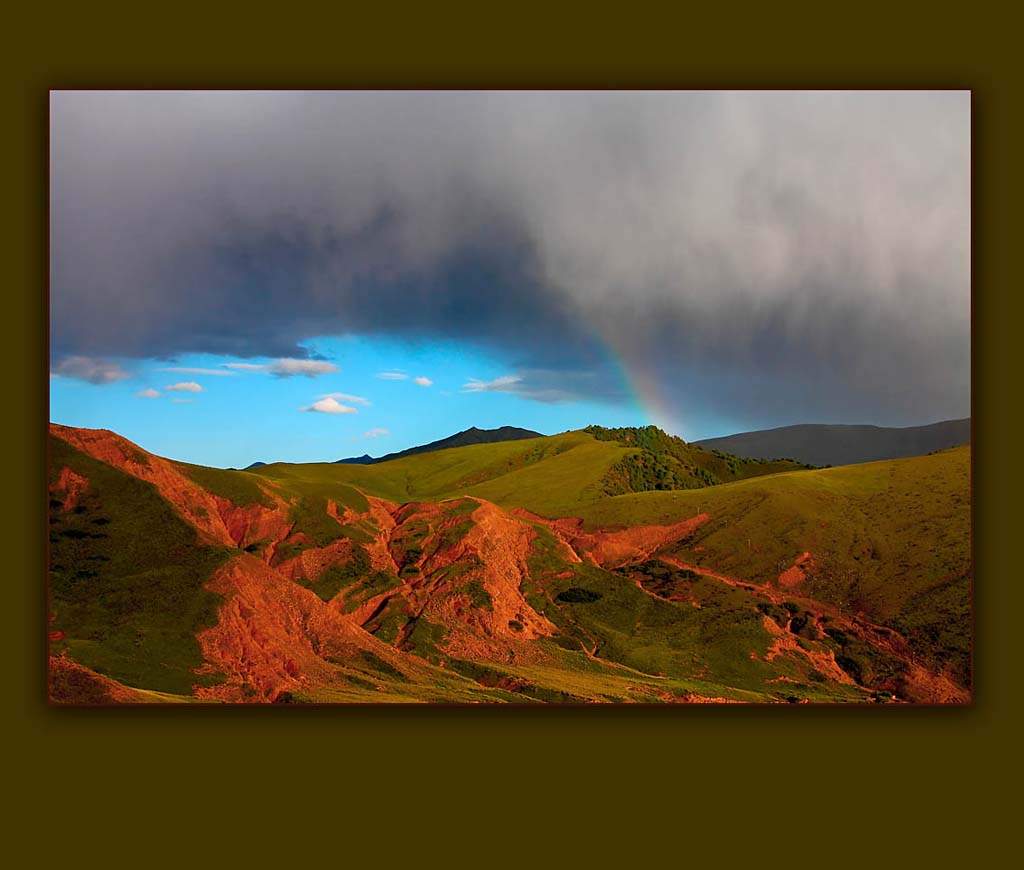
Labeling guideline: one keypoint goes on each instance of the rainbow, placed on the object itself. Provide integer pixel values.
(644, 388)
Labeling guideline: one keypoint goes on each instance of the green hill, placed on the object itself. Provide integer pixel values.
(552, 476)
(891, 540)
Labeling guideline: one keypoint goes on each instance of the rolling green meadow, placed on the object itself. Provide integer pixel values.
(588, 567)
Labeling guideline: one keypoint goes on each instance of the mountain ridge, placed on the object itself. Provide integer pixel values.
(824, 444)
(472, 435)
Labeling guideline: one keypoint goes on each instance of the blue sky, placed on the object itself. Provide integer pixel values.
(245, 415)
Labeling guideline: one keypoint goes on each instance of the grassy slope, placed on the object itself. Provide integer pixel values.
(890, 539)
(239, 487)
(555, 476)
(724, 642)
(551, 476)
(702, 651)
(666, 462)
(126, 579)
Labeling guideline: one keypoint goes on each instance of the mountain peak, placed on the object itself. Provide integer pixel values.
(472, 435)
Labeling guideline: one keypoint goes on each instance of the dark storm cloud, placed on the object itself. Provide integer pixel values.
(764, 255)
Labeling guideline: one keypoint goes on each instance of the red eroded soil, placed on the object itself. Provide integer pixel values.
(72, 485)
(72, 683)
(613, 549)
(918, 684)
(217, 519)
(924, 687)
(311, 563)
(785, 643)
(796, 575)
(254, 523)
(491, 554)
(503, 544)
(190, 500)
(273, 635)
(347, 515)
(383, 515)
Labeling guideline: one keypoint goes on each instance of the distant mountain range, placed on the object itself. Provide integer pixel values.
(823, 444)
(459, 439)
(809, 443)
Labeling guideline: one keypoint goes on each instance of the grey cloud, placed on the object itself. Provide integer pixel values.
(761, 254)
(286, 368)
(553, 386)
(94, 371)
(504, 384)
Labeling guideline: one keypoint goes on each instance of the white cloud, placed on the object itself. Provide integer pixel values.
(310, 368)
(348, 397)
(286, 368)
(185, 387)
(246, 367)
(375, 433)
(392, 376)
(191, 371)
(423, 382)
(149, 393)
(329, 406)
(94, 371)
